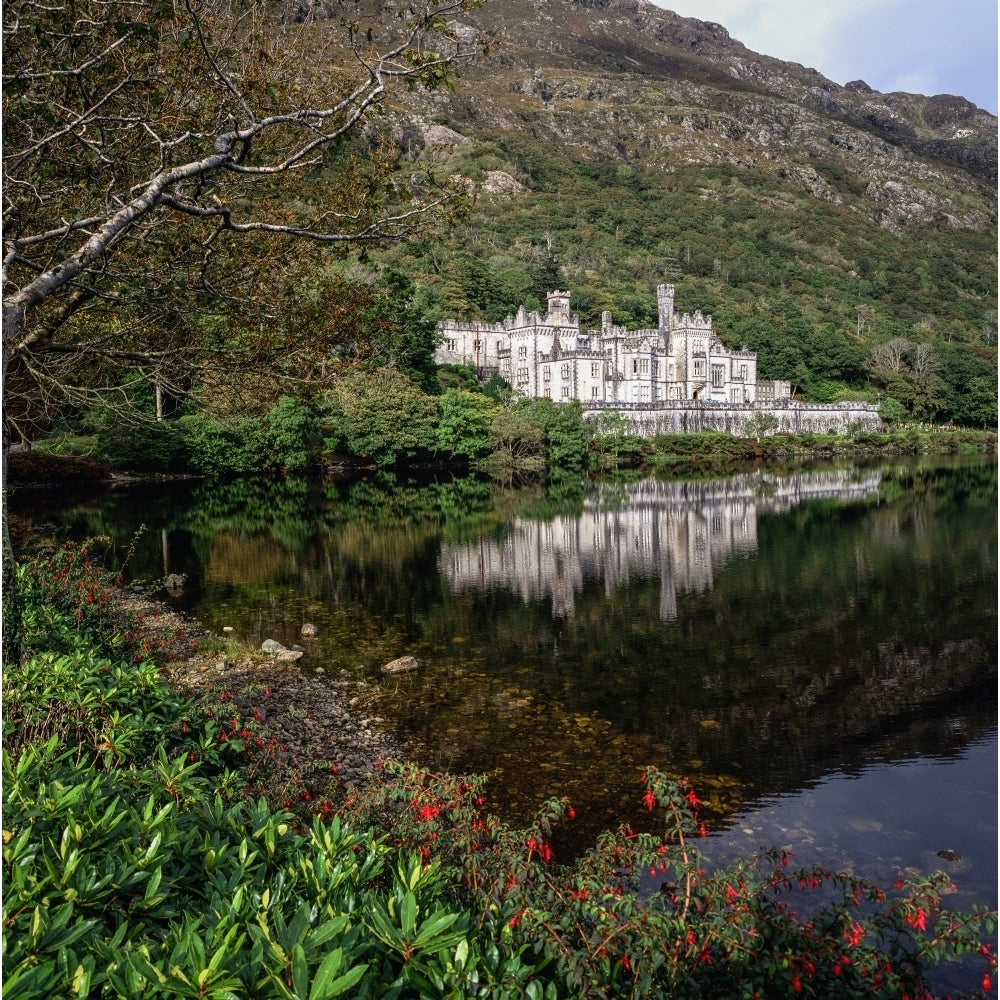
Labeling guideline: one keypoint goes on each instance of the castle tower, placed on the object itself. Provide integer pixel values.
(558, 307)
(665, 302)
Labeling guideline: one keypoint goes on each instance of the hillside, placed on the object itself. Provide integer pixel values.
(612, 145)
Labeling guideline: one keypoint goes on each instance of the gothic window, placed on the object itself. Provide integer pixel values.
(452, 345)
(718, 375)
(522, 352)
(546, 373)
(565, 392)
(565, 371)
(743, 373)
(593, 391)
(644, 366)
(477, 345)
(699, 369)
(595, 370)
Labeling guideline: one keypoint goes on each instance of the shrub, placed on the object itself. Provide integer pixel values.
(159, 447)
(294, 434)
(225, 448)
(463, 428)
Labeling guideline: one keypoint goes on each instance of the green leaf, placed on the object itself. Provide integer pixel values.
(408, 914)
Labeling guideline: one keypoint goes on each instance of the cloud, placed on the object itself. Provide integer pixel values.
(918, 46)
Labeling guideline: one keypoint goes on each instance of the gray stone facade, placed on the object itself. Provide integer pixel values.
(678, 377)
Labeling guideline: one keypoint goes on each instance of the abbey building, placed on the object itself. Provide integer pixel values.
(551, 357)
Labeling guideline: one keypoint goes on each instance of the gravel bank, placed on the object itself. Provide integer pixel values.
(317, 720)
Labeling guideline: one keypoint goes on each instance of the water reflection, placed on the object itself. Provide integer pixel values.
(677, 532)
(755, 633)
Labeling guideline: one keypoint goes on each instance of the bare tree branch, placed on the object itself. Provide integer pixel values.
(127, 126)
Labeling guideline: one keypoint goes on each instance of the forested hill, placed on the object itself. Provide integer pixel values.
(615, 145)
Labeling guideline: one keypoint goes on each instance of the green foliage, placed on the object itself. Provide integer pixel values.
(294, 434)
(383, 416)
(613, 446)
(516, 444)
(760, 424)
(891, 410)
(463, 427)
(565, 433)
(225, 447)
(142, 446)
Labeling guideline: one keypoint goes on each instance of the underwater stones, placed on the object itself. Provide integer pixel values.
(401, 665)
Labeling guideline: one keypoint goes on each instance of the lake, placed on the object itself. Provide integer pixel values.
(815, 649)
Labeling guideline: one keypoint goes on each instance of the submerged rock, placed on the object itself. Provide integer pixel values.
(402, 665)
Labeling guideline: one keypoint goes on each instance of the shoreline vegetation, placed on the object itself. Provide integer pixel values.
(184, 817)
(83, 459)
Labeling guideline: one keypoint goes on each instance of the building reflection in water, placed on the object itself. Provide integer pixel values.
(679, 532)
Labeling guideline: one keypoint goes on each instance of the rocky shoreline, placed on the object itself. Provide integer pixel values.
(317, 721)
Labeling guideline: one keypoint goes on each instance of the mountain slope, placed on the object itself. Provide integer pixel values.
(612, 144)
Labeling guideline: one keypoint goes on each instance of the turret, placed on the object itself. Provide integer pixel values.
(665, 302)
(558, 307)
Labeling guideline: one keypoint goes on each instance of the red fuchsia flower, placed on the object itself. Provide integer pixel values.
(545, 852)
(702, 831)
(854, 934)
(918, 920)
(987, 984)
(625, 963)
(649, 799)
(693, 799)
(571, 812)
(796, 983)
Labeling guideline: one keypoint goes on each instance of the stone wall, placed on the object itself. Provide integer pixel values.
(687, 417)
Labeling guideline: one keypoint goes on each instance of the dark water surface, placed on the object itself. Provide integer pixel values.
(816, 650)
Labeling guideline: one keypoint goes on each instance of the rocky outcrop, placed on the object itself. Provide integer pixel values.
(631, 81)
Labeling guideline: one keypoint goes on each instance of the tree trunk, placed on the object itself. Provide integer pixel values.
(11, 625)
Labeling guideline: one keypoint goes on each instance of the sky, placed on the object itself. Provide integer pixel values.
(918, 46)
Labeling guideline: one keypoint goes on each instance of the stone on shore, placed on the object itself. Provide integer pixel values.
(402, 665)
(310, 630)
(272, 646)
